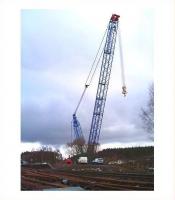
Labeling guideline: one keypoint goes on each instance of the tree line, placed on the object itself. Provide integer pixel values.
(43, 154)
(127, 153)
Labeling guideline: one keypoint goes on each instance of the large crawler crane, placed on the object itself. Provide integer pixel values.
(101, 95)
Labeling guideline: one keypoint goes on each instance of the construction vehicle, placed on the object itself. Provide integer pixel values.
(82, 160)
(107, 53)
(98, 161)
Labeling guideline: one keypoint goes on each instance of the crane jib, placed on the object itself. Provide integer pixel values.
(106, 54)
(103, 85)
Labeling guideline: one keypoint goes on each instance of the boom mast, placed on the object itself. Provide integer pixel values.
(103, 83)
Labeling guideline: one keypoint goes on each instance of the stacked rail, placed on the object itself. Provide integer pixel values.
(40, 179)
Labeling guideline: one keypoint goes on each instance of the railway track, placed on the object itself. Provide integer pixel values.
(40, 179)
(127, 176)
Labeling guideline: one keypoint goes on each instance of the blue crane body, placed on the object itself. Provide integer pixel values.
(77, 127)
(103, 83)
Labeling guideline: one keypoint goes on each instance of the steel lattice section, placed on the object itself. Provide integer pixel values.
(77, 128)
(103, 84)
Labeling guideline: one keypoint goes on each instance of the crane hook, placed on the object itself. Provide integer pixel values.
(124, 92)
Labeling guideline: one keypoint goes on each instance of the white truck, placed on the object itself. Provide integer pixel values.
(98, 161)
(83, 160)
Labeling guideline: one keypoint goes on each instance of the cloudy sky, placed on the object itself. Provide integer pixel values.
(57, 50)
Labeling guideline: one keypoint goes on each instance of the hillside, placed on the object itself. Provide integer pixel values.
(130, 153)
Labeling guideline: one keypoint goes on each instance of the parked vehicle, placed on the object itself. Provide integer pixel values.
(83, 160)
(98, 161)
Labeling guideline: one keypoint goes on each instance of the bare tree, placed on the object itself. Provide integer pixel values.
(77, 147)
(147, 113)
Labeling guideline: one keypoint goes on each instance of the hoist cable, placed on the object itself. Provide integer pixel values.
(121, 62)
(96, 67)
(80, 99)
(92, 72)
(95, 58)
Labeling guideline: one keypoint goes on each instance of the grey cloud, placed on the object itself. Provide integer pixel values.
(47, 125)
(56, 55)
(50, 123)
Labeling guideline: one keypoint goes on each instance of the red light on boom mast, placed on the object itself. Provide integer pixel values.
(115, 17)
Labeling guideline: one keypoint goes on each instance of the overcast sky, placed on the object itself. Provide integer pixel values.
(57, 50)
